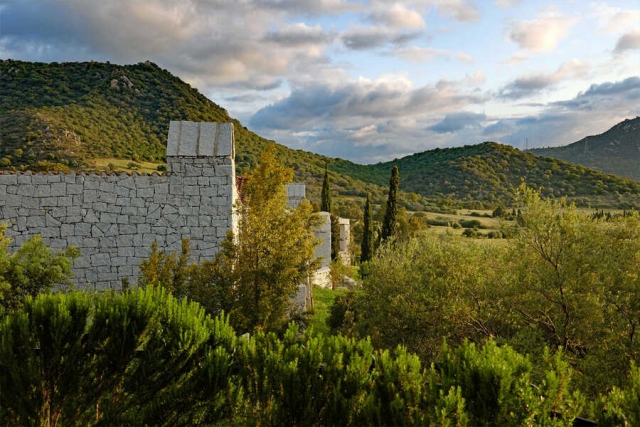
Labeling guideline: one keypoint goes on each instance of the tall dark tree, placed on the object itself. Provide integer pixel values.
(325, 206)
(367, 236)
(325, 198)
(391, 214)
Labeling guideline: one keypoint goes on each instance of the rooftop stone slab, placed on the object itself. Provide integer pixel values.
(198, 139)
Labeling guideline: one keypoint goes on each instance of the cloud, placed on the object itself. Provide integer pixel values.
(541, 34)
(248, 45)
(459, 10)
(507, 3)
(628, 41)
(397, 16)
(424, 54)
(563, 122)
(298, 35)
(371, 37)
(535, 83)
(613, 19)
(457, 121)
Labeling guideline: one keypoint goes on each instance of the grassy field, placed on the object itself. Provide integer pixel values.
(323, 299)
(125, 165)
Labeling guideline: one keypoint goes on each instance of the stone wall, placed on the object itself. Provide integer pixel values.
(114, 218)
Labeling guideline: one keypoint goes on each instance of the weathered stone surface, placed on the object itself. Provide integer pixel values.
(114, 218)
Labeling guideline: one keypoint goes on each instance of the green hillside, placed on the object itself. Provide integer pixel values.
(490, 173)
(78, 115)
(616, 151)
(75, 115)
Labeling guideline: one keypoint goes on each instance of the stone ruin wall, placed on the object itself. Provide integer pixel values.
(114, 218)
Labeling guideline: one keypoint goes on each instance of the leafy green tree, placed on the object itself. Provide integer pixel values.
(273, 252)
(391, 213)
(367, 236)
(31, 270)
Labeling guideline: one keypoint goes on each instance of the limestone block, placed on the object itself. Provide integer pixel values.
(36, 221)
(31, 203)
(188, 139)
(90, 196)
(24, 179)
(109, 198)
(73, 189)
(123, 220)
(69, 231)
(39, 178)
(224, 170)
(58, 189)
(126, 229)
(145, 192)
(65, 201)
(49, 201)
(50, 221)
(49, 232)
(82, 229)
(96, 232)
(225, 140)
(114, 209)
(125, 240)
(108, 218)
(138, 203)
(42, 191)
(143, 229)
(176, 189)
(173, 138)
(6, 179)
(26, 190)
(126, 251)
(91, 242)
(122, 192)
(91, 183)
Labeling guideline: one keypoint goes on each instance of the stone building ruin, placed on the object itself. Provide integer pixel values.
(113, 218)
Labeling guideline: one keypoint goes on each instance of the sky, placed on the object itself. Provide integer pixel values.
(366, 80)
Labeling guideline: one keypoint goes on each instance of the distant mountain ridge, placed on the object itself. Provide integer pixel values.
(57, 116)
(616, 151)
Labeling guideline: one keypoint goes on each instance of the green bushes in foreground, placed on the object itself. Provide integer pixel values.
(145, 358)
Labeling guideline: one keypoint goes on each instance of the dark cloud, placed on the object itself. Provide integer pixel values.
(607, 94)
(457, 121)
(628, 41)
(526, 86)
(363, 38)
(297, 35)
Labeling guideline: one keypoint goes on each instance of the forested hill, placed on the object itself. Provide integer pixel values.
(491, 172)
(60, 116)
(616, 151)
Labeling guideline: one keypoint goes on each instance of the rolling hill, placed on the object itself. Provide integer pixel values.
(615, 151)
(70, 115)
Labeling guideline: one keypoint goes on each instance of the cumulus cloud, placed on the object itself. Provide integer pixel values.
(629, 41)
(541, 34)
(460, 10)
(247, 44)
(532, 84)
(397, 16)
(371, 37)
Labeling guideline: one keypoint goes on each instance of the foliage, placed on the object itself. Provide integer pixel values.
(141, 358)
(325, 197)
(367, 236)
(391, 213)
(557, 283)
(31, 270)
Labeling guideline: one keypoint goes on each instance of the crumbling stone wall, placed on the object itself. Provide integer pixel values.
(114, 218)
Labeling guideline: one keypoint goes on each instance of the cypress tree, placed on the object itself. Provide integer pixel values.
(367, 237)
(391, 214)
(325, 200)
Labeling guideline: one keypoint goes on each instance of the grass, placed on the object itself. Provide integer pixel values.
(124, 165)
(323, 300)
